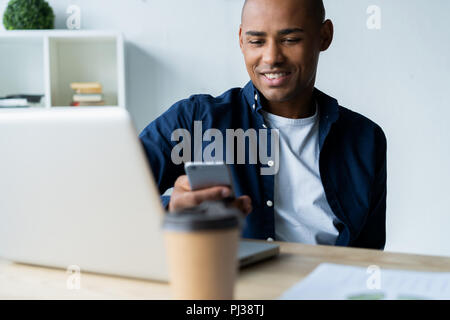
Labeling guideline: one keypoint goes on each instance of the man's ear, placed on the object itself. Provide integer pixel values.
(326, 35)
(240, 37)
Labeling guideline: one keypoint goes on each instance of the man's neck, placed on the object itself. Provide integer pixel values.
(303, 106)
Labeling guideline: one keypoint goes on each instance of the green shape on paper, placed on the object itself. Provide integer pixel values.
(410, 297)
(367, 296)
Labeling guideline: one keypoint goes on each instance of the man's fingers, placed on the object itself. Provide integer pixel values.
(183, 197)
(182, 182)
(194, 198)
(243, 203)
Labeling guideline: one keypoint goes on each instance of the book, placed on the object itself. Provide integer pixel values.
(87, 94)
(85, 85)
(88, 90)
(87, 103)
(88, 97)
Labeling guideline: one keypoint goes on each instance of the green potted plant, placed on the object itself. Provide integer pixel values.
(28, 14)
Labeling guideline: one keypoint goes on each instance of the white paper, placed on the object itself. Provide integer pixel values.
(342, 282)
(13, 102)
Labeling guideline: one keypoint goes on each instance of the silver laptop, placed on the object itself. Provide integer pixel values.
(76, 190)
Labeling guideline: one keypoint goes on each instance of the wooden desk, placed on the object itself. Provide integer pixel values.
(266, 280)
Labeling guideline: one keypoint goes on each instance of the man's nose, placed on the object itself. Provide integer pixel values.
(273, 54)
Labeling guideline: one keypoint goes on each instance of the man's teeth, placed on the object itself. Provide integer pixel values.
(275, 75)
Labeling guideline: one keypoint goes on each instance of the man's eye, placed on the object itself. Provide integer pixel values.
(255, 42)
(292, 40)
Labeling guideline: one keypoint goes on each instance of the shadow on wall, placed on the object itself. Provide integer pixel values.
(146, 79)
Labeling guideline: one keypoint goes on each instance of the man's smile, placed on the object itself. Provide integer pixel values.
(276, 79)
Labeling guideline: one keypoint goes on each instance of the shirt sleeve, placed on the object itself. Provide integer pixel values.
(157, 143)
(373, 234)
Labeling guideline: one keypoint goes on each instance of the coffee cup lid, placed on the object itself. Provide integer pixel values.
(207, 216)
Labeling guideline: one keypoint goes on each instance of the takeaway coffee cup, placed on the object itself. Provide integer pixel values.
(201, 245)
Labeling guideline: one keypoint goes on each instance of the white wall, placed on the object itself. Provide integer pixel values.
(396, 76)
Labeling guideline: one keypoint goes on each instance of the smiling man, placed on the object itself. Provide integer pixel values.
(330, 186)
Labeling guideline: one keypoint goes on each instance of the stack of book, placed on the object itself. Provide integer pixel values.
(87, 94)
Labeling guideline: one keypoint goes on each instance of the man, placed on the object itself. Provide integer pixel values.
(330, 187)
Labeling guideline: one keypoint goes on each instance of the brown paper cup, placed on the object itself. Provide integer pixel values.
(201, 245)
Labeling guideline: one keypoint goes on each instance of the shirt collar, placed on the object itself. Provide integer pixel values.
(328, 108)
(252, 96)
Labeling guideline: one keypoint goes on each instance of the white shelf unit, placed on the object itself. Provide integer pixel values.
(46, 62)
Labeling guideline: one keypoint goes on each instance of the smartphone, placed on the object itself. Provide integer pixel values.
(208, 174)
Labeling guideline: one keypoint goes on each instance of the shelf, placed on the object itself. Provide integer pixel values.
(47, 61)
(82, 60)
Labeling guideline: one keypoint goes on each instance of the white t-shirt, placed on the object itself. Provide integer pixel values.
(302, 212)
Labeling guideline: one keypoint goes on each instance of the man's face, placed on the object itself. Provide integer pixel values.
(281, 42)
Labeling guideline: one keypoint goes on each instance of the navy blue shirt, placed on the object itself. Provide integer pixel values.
(352, 161)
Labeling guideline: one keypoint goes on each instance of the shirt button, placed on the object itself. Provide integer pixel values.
(264, 126)
(253, 106)
(269, 203)
(269, 239)
(256, 97)
(270, 163)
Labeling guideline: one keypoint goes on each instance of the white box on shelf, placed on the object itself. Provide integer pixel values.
(21, 65)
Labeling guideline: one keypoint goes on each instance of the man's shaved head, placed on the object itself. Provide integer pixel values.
(314, 7)
(281, 41)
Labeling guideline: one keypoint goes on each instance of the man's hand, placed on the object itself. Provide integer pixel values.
(183, 197)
